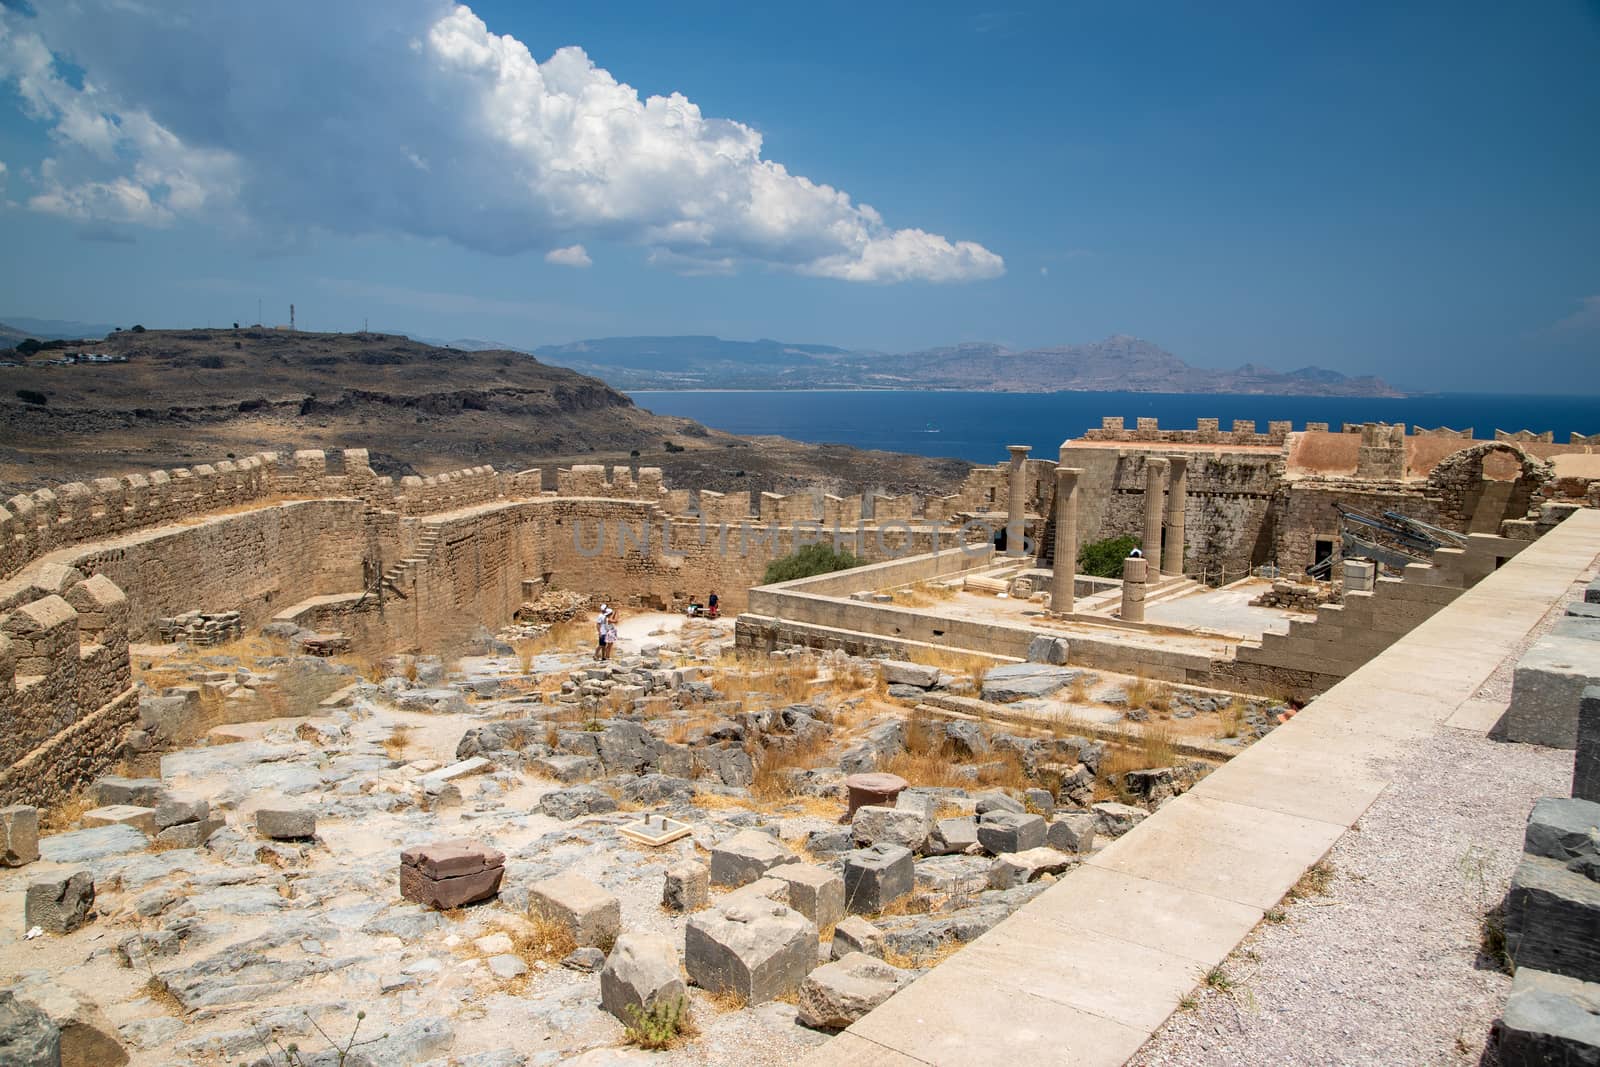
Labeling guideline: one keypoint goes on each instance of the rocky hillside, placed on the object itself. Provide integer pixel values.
(185, 396)
(1117, 364)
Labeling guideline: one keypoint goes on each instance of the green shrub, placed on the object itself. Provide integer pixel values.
(32, 396)
(808, 562)
(661, 1026)
(1103, 559)
(29, 345)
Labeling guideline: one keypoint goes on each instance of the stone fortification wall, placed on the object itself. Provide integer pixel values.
(1206, 432)
(65, 687)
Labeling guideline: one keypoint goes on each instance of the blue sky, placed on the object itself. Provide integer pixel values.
(1402, 190)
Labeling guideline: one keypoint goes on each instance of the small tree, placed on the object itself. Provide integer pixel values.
(138, 329)
(32, 396)
(1103, 559)
(810, 561)
(28, 346)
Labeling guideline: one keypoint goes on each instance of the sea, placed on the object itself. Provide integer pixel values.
(978, 426)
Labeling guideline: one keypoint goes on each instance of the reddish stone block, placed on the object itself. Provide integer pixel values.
(449, 874)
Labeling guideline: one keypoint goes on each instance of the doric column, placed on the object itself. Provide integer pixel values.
(1065, 563)
(1017, 503)
(1177, 492)
(1155, 483)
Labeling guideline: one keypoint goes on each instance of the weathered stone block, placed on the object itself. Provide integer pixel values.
(141, 819)
(593, 915)
(952, 836)
(837, 994)
(757, 950)
(189, 834)
(27, 1036)
(1007, 831)
(1114, 820)
(1020, 868)
(59, 904)
(19, 835)
(567, 768)
(1547, 687)
(574, 803)
(450, 873)
(814, 892)
(286, 824)
(114, 789)
(687, 886)
(899, 672)
(174, 810)
(855, 934)
(1563, 829)
(1549, 1019)
(763, 888)
(1072, 833)
(1552, 914)
(905, 827)
(994, 800)
(1023, 681)
(640, 972)
(746, 856)
(876, 876)
(1586, 766)
(1046, 649)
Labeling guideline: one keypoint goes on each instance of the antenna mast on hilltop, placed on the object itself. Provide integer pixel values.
(291, 316)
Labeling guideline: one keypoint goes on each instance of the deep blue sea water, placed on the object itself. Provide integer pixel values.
(978, 426)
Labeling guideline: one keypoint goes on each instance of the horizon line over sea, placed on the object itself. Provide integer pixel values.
(976, 426)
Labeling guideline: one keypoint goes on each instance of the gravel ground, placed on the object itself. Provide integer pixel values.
(1382, 966)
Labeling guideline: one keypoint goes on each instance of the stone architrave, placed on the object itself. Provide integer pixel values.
(1017, 500)
(1064, 564)
(1177, 491)
(1155, 484)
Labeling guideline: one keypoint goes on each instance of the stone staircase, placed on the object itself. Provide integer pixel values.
(405, 570)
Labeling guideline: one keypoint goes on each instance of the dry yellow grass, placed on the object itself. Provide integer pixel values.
(65, 815)
(542, 939)
(719, 802)
(398, 741)
(1078, 691)
(911, 961)
(742, 676)
(1231, 719)
(923, 594)
(1146, 748)
(725, 1000)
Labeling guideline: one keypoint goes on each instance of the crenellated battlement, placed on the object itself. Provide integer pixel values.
(1206, 432)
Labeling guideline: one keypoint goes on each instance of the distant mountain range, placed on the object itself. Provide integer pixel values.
(1118, 363)
(14, 328)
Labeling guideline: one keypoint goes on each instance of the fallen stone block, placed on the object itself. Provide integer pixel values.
(87, 1037)
(140, 818)
(759, 951)
(837, 994)
(1046, 649)
(567, 768)
(1007, 831)
(855, 934)
(450, 873)
(687, 887)
(27, 1036)
(994, 800)
(286, 824)
(763, 888)
(59, 904)
(640, 972)
(1586, 765)
(19, 835)
(1552, 914)
(1024, 681)
(586, 960)
(189, 834)
(953, 836)
(905, 827)
(899, 672)
(1077, 786)
(115, 789)
(1020, 868)
(1547, 686)
(577, 802)
(746, 856)
(1563, 829)
(1549, 1019)
(876, 876)
(593, 915)
(966, 739)
(1114, 820)
(174, 810)
(1072, 833)
(814, 892)
(1039, 801)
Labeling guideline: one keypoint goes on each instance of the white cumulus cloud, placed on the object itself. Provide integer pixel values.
(411, 116)
(1585, 319)
(571, 256)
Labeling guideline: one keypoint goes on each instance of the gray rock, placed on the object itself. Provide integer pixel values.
(827, 842)
(19, 835)
(1551, 918)
(1077, 786)
(906, 692)
(588, 960)
(687, 887)
(966, 739)
(641, 972)
(1039, 801)
(189, 834)
(1047, 649)
(876, 876)
(174, 810)
(1586, 763)
(1114, 820)
(140, 792)
(95, 843)
(1563, 829)
(758, 950)
(506, 966)
(1072, 833)
(1549, 1019)
(627, 746)
(993, 800)
(873, 825)
(576, 802)
(1024, 681)
(728, 762)
(657, 789)
(286, 824)
(814, 892)
(1020, 868)
(567, 768)
(27, 1036)
(899, 672)
(60, 903)
(1547, 687)
(855, 934)
(745, 857)
(837, 994)
(1006, 831)
(953, 836)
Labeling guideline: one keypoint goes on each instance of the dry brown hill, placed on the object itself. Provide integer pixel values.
(186, 396)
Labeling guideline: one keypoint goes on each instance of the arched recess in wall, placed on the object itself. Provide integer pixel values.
(1481, 486)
